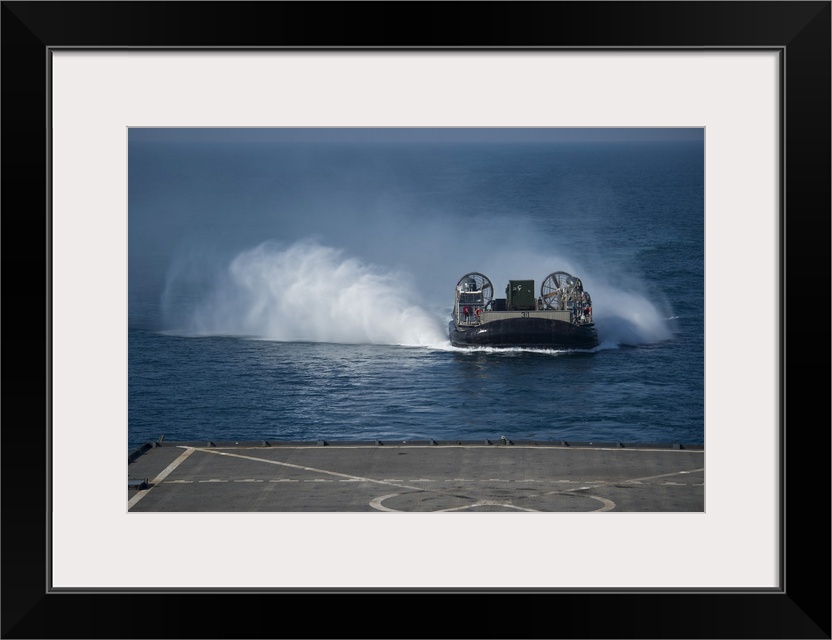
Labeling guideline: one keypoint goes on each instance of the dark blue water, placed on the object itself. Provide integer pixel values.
(296, 293)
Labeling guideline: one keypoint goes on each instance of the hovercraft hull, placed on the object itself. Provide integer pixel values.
(534, 333)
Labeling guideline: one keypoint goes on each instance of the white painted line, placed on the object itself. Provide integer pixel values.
(487, 503)
(663, 475)
(375, 503)
(164, 474)
(608, 505)
(302, 468)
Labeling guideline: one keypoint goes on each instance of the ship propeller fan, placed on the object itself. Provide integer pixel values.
(476, 289)
(554, 286)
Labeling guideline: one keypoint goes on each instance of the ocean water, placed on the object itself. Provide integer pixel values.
(296, 291)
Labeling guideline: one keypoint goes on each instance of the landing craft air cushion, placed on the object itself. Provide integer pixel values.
(560, 318)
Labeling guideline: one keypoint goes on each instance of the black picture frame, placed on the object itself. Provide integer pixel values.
(799, 31)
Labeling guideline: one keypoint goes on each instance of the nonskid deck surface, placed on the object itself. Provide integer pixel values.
(416, 477)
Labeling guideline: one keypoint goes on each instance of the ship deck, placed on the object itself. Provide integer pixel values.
(418, 477)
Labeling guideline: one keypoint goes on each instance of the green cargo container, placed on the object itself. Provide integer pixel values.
(520, 295)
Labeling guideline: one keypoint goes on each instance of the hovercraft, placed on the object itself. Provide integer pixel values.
(560, 317)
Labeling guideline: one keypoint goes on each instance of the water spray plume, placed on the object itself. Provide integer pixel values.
(309, 292)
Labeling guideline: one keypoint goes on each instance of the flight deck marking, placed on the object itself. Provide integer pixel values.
(609, 505)
(663, 475)
(312, 469)
(377, 502)
(164, 474)
(487, 503)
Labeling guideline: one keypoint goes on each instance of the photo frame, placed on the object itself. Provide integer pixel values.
(799, 32)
